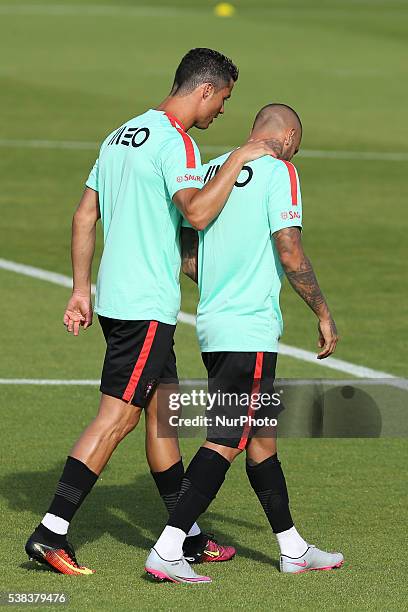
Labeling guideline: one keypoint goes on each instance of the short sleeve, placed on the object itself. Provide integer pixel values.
(92, 180)
(181, 164)
(284, 197)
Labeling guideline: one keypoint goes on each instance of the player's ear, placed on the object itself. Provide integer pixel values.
(208, 90)
(290, 136)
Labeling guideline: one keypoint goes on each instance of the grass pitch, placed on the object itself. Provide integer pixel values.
(342, 496)
(72, 72)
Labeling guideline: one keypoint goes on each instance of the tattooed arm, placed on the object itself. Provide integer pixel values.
(301, 276)
(189, 252)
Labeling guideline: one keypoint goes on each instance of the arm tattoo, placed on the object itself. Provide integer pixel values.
(298, 269)
(304, 282)
(189, 252)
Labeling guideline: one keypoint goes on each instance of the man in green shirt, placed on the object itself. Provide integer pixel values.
(242, 256)
(147, 178)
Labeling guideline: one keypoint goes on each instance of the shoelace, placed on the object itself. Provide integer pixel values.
(213, 546)
(69, 555)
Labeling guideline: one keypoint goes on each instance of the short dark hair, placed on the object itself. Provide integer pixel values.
(261, 114)
(200, 66)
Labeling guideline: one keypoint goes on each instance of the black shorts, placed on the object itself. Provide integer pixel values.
(245, 399)
(139, 356)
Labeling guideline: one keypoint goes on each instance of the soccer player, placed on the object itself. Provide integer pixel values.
(147, 176)
(242, 256)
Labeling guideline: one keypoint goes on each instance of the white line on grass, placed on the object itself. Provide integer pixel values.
(51, 277)
(335, 382)
(189, 319)
(78, 145)
(362, 155)
(48, 144)
(49, 381)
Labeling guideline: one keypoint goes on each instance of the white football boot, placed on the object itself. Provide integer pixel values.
(173, 571)
(312, 559)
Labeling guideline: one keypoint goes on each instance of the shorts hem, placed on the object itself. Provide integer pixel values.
(141, 316)
(229, 442)
(119, 396)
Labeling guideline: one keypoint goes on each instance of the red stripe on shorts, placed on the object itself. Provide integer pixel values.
(293, 181)
(256, 386)
(188, 143)
(141, 362)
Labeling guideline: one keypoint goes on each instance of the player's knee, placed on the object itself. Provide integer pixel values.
(117, 425)
(228, 452)
(121, 430)
(260, 449)
(130, 421)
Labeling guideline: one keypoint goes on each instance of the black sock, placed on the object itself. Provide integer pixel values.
(75, 483)
(169, 484)
(45, 536)
(268, 482)
(200, 485)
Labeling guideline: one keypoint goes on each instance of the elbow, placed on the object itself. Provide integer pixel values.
(84, 219)
(195, 212)
(199, 225)
(76, 220)
(290, 261)
(77, 216)
(197, 222)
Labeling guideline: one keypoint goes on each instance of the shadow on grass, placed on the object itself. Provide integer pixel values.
(132, 514)
(35, 567)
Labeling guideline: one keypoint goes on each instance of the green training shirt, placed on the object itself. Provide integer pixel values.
(140, 167)
(239, 272)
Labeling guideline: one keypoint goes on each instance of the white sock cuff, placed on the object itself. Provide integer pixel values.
(194, 531)
(291, 543)
(170, 543)
(55, 524)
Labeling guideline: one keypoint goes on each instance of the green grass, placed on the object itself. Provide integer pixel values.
(341, 500)
(74, 71)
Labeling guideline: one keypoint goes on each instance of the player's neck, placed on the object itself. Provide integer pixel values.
(274, 140)
(180, 108)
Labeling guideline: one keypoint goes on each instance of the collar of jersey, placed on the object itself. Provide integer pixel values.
(172, 119)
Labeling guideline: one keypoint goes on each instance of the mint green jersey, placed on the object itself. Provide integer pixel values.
(140, 167)
(239, 272)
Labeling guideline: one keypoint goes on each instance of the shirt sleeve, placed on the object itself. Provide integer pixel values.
(92, 180)
(284, 198)
(181, 164)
